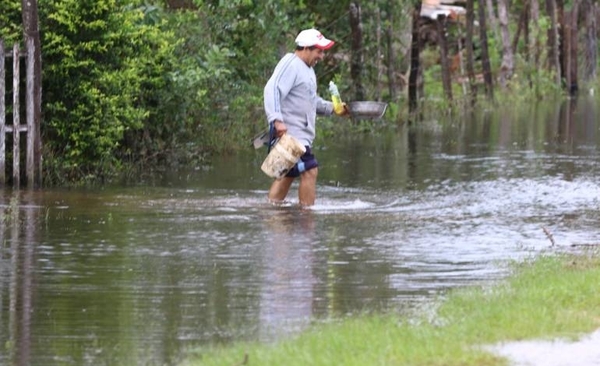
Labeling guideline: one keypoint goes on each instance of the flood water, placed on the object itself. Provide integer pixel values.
(135, 275)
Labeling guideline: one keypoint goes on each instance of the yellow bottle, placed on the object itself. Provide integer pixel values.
(338, 106)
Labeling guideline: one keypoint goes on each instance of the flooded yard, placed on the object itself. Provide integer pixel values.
(135, 275)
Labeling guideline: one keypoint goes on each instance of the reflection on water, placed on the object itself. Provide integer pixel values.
(288, 279)
(134, 275)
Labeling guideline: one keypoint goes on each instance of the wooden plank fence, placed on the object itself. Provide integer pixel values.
(16, 127)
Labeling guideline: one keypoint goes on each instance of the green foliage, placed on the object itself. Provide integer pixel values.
(228, 51)
(127, 81)
(103, 65)
(203, 84)
(10, 22)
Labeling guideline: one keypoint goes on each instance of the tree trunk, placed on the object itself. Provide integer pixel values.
(415, 63)
(521, 28)
(443, 44)
(590, 9)
(31, 32)
(535, 47)
(507, 65)
(357, 61)
(485, 56)
(534, 8)
(527, 37)
(491, 16)
(378, 63)
(469, 49)
(553, 41)
(391, 64)
(571, 30)
(461, 59)
(562, 33)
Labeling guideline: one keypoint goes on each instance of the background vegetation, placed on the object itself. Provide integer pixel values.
(135, 85)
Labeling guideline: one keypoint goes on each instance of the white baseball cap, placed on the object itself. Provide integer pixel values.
(312, 37)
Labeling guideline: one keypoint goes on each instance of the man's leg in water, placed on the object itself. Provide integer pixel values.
(279, 189)
(307, 192)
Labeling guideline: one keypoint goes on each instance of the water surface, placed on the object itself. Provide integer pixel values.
(134, 275)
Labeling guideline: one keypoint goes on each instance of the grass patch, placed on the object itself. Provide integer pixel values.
(551, 296)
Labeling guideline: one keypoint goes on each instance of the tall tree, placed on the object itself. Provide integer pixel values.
(415, 60)
(553, 41)
(571, 35)
(485, 55)
(391, 64)
(562, 33)
(357, 62)
(442, 24)
(379, 55)
(491, 17)
(32, 34)
(507, 66)
(469, 48)
(534, 17)
(590, 9)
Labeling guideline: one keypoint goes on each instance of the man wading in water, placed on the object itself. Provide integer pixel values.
(292, 105)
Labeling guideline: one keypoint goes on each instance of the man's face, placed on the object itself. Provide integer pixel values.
(315, 55)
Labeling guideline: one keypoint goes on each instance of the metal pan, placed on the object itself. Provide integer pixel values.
(367, 109)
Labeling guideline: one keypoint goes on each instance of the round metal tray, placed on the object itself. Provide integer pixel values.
(367, 109)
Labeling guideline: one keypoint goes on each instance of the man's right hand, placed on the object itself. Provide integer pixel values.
(280, 128)
(345, 112)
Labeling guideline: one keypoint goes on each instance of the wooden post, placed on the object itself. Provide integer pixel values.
(16, 118)
(2, 117)
(30, 100)
(16, 127)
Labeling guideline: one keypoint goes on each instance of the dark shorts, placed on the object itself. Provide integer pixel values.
(307, 162)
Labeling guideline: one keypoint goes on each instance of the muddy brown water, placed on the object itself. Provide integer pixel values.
(135, 275)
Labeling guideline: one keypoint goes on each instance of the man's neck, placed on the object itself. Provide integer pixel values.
(301, 54)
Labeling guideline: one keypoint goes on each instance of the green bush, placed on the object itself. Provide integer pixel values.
(102, 66)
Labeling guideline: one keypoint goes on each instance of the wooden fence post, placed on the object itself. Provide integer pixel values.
(30, 100)
(2, 117)
(16, 118)
(16, 128)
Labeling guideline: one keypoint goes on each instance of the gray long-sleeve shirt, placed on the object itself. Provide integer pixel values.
(291, 96)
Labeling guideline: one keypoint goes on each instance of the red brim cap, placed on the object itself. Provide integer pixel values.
(313, 38)
(325, 44)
